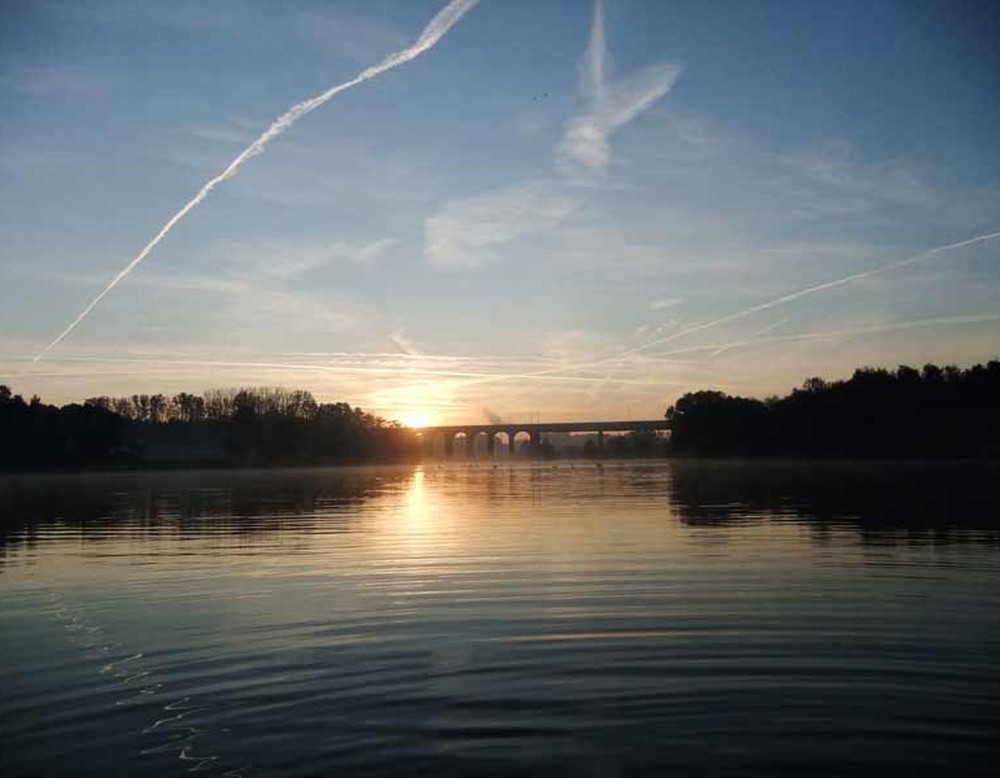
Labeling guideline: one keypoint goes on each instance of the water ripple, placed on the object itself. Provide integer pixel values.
(695, 618)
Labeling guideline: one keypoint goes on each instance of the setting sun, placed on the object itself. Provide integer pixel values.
(415, 420)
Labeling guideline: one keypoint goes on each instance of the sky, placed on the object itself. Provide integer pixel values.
(562, 209)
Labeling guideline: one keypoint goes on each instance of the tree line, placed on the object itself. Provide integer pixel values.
(904, 412)
(251, 426)
(212, 405)
(936, 411)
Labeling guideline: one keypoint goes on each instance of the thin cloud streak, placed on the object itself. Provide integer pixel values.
(405, 344)
(385, 372)
(812, 290)
(620, 358)
(667, 302)
(755, 335)
(457, 372)
(434, 371)
(432, 33)
(829, 334)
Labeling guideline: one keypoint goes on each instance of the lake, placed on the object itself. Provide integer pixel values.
(623, 619)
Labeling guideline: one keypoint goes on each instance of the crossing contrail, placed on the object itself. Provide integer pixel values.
(830, 334)
(811, 290)
(786, 298)
(617, 359)
(436, 29)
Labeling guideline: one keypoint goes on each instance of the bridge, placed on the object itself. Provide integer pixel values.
(508, 432)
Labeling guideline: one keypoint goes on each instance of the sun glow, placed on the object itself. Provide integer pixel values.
(415, 420)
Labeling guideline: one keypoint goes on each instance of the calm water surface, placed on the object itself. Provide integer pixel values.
(714, 618)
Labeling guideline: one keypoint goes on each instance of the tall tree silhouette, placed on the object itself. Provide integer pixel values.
(907, 412)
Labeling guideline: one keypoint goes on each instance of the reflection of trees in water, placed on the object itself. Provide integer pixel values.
(885, 502)
(243, 504)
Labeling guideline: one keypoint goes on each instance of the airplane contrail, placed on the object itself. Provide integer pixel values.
(472, 374)
(831, 334)
(756, 334)
(618, 358)
(610, 106)
(436, 29)
(482, 376)
(787, 298)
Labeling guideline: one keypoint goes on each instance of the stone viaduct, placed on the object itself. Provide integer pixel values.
(535, 433)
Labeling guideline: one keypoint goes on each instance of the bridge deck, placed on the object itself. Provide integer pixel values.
(555, 426)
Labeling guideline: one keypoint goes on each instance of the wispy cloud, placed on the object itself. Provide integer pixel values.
(835, 166)
(287, 258)
(255, 305)
(405, 344)
(585, 147)
(47, 81)
(666, 302)
(810, 290)
(370, 253)
(278, 259)
(466, 232)
(463, 233)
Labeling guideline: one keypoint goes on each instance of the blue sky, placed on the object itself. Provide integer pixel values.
(532, 217)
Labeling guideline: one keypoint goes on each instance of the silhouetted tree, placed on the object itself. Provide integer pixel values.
(188, 408)
(907, 412)
(715, 423)
(36, 436)
(254, 426)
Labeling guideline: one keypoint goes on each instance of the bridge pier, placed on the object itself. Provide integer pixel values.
(535, 432)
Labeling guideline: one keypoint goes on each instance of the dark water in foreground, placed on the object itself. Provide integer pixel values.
(637, 619)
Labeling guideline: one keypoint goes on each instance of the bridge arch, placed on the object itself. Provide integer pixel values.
(523, 438)
(479, 445)
(501, 444)
(461, 445)
(432, 442)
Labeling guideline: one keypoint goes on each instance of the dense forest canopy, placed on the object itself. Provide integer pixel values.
(907, 412)
(257, 426)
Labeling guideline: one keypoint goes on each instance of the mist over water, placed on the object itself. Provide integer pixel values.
(709, 618)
